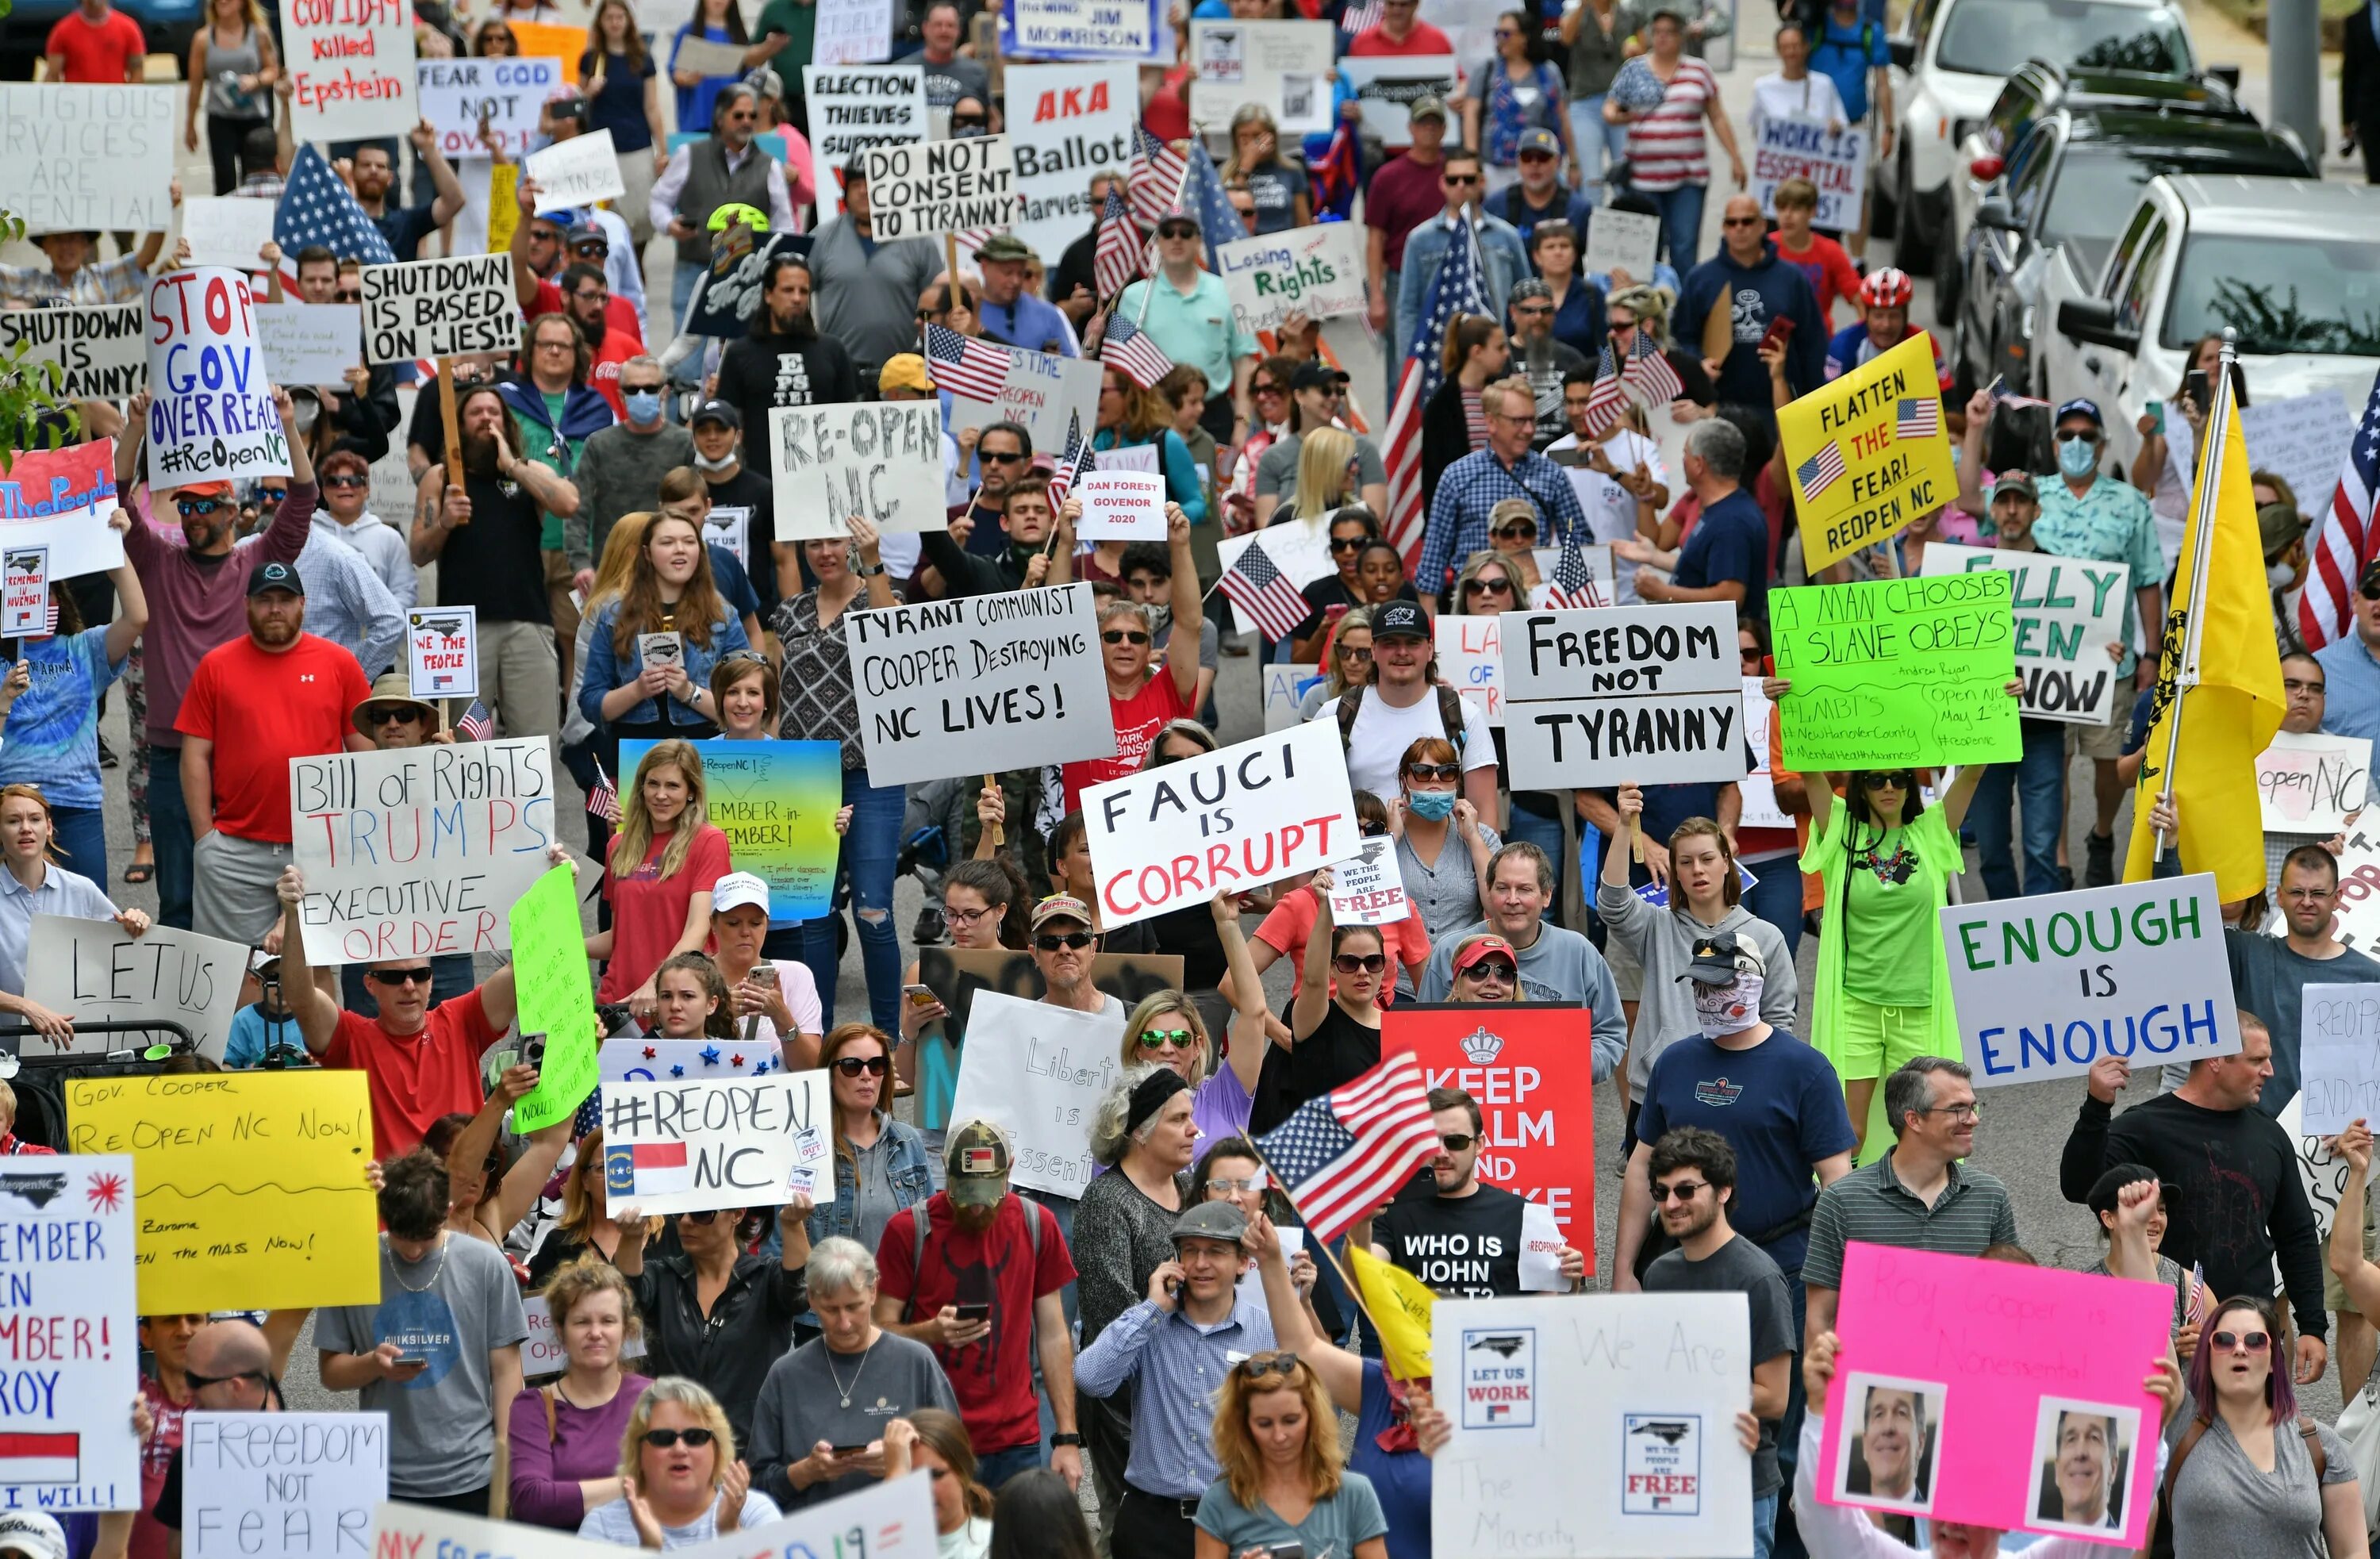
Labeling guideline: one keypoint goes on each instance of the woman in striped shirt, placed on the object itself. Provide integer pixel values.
(1663, 98)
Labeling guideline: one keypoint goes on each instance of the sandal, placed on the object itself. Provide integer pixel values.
(139, 872)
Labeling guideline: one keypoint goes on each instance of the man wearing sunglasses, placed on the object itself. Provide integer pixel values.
(393, 720)
(348, 602)
(1544, 361)
(722, 168)
(1000, 452)
(1464, 1240)
(1063, 949)
(1505, 259)
(1189, 315)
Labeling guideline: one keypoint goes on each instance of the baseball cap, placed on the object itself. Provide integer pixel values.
(1313, 375)
(586, 232)
(1539, 140)
(216, 489)
(738, 888)
(33, 1534)
(564, 217)
(2016, 482)
(1530, 290)
(978, 1160)
(2104, 1190)
(717, 411)
(1212, 1220)
(1721, 956)
(765, 81)
(1180, 214)
(1429, 106)
(275, 576)
(2080, 405)
(1479, 947)
(1003, 246)
(905, 371)
(1061, 906)
(1404, 618)
(2280, 527)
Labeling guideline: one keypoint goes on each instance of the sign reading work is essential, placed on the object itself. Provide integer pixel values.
(1317, 272)
(212, 416)
(1894, 673)
(2047, 985)
(1834, 158)
(78, 158)
(2069, 613)
(440, 308)
(61, 499)
(1038, 1071)
(67, 1226)
(101, 352)
(923, 188)
(288, 1485)
(880, 459)
(691, 1147)
(1867, 452)
(96, 972)
(1613, 695)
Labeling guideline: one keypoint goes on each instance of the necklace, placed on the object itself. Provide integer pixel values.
(442, 1237)
(837, 1374)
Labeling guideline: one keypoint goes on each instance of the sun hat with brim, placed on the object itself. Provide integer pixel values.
(393, 688)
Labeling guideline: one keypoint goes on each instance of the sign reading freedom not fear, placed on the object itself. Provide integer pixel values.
(1892, 672)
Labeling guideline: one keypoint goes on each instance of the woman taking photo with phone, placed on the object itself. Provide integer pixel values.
(771, 1000)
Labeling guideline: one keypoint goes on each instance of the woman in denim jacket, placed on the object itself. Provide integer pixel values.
(880, 1164)
(650, 657)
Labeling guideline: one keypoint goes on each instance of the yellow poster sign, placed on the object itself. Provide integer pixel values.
(1868, 453)
(250, 1185)
(503, 206)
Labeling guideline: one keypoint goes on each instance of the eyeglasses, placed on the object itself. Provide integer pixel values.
(1283, 1364)
(1536, 156)
(1967, 1111)
(1178, 230)
(1451, 773)
(663, 1439)
(349, 294)
(593, 295)
(1533, 310)
(555, 346)
(416, 976)
(1678, 1190)
(1349, 963)
(1264, 389)
(2077, 435)
(2295, 685)
(1490, 968)
(1747, 654)
(1158, 1038)
(1372, 830)
(1353, 652)
(352, 478)
(1124, 635)
(201, 1383)
(2254, 1342)
(1248, 1184)
(705, 1218)
(628, 389)
(969, 916)
(190, 507)
(968, 122)
(853, 1065)
(1456, 1141)
(1075, 941)
(1000, 456)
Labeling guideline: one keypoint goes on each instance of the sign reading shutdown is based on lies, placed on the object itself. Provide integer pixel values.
(1610, 694)
(101, 352)
(1894, 673)
(440, 308)
(1867, 452)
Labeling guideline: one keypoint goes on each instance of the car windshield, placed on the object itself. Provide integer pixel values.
(1993, 37)
(2282, 294)
(2093, 198)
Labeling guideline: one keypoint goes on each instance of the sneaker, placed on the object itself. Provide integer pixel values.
(930, 928)
(2101, 871)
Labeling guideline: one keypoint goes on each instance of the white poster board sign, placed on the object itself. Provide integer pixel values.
(577, 171)
(690, 1147)
(542, 1352)
(1042, 394)
(283, 1485)
(1065, 123)
(1369, 889)
(1284, 685)
(2309, 783)
(1621, 241)
(2068, 610)
(730, 526)
(2046, 985)
(227, 230)
(441, 652)
(1299, 548)
(457, 94)
(2339, 1056)
(1077, 29)
(981, 684)
(1386, 85)
(94, 971)
(1039, 1072)
(1758, 788)
(440, 308)
(311, 343)
(67, 1223)
(1833, 159)
(882, 459)
(852, 107)
(1285, 65)
(1317, 272)
(1120, 506)
(1252, 812)
(852, 32)
(351, 68)
(89, 157)
(1471, 659)
(640, 1058)
(704, 57)
(2302, 440)
(883, 1520)
(1586, 1426)
(922, 188)
(24, 590)
(101, 352)
(2321, 1172)
(212, 416)
(1613, 695)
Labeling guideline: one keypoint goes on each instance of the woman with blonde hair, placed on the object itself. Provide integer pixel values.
(659, 874)
(1326, 472)
(681, 1482)
(935, 1442)
(1285, 1481)
(233, 68)
(1283, 200)
(669, 590)
(566, 1435)
(1167, 1029)
(585, 1228)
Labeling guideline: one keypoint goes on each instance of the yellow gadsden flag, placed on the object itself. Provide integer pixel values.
(1399, 1303)
(2232, 712)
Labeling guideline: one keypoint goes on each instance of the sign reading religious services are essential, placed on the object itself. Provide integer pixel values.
(1536, 1087)
(440, 308)
(70, 1338)
(2068, 614)
(1614, 695)
(213, 417)
(689, 1147)
(61, 499)
(97, 972)
(101, 352)
(2045, 986)
(1867, 452)
(1065, 123)
(311, 343)
(1317, 271)
(923, 189)
(283, 1485)
(418, 851)
(1039, 1072)
(882, 460)
(84, 158)
(351, 68)
(1897, 673)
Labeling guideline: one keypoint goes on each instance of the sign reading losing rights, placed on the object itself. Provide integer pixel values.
(1608, 695)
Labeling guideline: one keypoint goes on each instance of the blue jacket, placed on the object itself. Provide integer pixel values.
(1511, 203)
(583, 411)
(907, 1165)
(606, 670)
(1771, 289)
(1505, 257)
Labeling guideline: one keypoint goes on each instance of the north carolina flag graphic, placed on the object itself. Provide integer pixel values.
(40, 1458)
(644, 1169)
(1499, 1410)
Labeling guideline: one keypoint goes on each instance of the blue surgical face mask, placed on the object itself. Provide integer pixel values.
(1432, 806)
(2077, 456)
(644, 405)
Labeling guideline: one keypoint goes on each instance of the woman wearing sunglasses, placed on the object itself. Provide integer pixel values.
(1484, 969)
(682, 1483)
(1331, 596)
(1347, 658)
(880, 1166)
(1168, 1029)
(1442, 846)
(1334, 1021)
(565, 1437)
(1141, 698)
(1284, 1481)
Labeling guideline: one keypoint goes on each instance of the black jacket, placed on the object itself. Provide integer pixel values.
(2359, 78)
(1445, 436)
(761, 372)
(751, 1324)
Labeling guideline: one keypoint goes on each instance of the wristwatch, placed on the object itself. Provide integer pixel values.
(867, 573)
(1067, 1438)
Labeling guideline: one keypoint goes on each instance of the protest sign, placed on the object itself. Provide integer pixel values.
(2045, 986)
(1624, 695)
(882, 459)
(213, 414)
(1758, 788)
(854, 107)
(852, 32)
(74, 158)
(457, 94)
(66, 1225)
(286, 1485)
(1120, 506)
(1972, 1362)
(642, 1059)
(1523, 1062)
(563, 40)
(1300, 549)
(250, 1184)
(2357, 923)
(1252, 812)
(730, 526)
(921, 189)
(2067, 613)
(1621, 241)
(1284, 691)
(2310, 783)
(1044, 393)
(2338, 1057)
(442, 652)
(415, 852)
(1386, 85)
(1471, 659)
(1833, 158)
(311, 343)
(227, 231)
(775, 801)
(24, 590)
(440, 308)
(690, 1147)
(2302, 440)
(577, 171)
(2322, 1173)
(554, 998)
(351, 68)
(1039, 1072)
(95, 972)
(1317, 271)
(1867, 452)
(1065, 123)
(1283, 66)
(981, 684)
(891, 1519)
(60, 500)
(704, 57)
(1076, 29)
(1602, 1426)
(102, 353)
(1369, 889)
(728, 293)
(957, 975)
(1893, 673)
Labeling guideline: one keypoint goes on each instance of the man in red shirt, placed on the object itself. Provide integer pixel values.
(541, 257)
(97, 44)
(1139, 700)
(253, 705)
(1403, 195)
(979, 1287)
(1400, 31)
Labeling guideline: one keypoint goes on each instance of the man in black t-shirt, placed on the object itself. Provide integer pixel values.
(1465, 1240)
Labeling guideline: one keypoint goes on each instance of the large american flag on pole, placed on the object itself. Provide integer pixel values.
(1342, 1155)
(2345, 540)
(1454, 291)
(316, 208)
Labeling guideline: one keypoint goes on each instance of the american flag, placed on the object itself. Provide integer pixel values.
(1264, 594)
(1608, 398)
(1116, 259)
(604, 801)
(1154, 176)
(316, 208)
(2002, 395)
(1573, 583)
(1202, 194)
(2345, 540)
(2193, 1310)
(1357, 18)
(1134, 352)
(1454, 290)
(1921, 418)
(1821, 471)
(1649, 374)
(1337, 175)
(1072, 461)
(475, 723)
(965, 367)
(1342, 1155)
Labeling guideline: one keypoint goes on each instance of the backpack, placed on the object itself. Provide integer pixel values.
(1450, 716)
(918, 1222)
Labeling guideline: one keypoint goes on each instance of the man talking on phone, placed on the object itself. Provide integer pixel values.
(977, 1280)
(1740, 298)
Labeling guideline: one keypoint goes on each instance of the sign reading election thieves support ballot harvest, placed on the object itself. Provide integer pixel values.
(979, 684)
(69, 1340)
(1611, 695)
(101, 352)
(1317, 272)
(1867, 453)
(919, 188)
(287, 1485)
(693, 1146)
(1959, 1376)
(2068, 613)
(440, 308)
(418, 851)
(213, 417)
(1039, 1072)
(250, 1184)
(1523, 1062)
(1603, 1426)
(775, 801)
(1252, 812)
(2046, 986)
(882, 459)
(1892, 672)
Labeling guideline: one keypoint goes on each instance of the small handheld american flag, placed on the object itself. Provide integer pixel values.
(1649, 374)
(1116, 259)
(476, 724)
(2195, 1308)
(974, 369)
(1342, 1155)
(1255, 585)
(604, 801)
(1573, 583)
(1154, 176)
(1072, 461)
(1132, 352)
(1607, 399)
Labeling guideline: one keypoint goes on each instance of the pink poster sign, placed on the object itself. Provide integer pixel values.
(1994, 1393)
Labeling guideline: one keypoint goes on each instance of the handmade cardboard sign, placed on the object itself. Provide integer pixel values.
(1647, 694)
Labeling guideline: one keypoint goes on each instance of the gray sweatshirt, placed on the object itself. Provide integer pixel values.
(1558, 966)
(1663, 941)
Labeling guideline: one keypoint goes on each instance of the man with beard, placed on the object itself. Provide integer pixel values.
(374, 180)
(1465, 1240)
(975, 1274)
(546, 259)
(2077, 1489)
(555, 412)
(485, 536)
(867, 290)
(279, 693)
(621, 470)
(1543, 360)
(786, 361)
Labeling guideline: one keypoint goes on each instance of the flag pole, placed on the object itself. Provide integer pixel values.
(1180, 187)
(2202, 541)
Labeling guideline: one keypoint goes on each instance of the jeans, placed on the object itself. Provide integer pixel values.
(1789, 1432)
(1777, 898)
(993, 1469)
(1764, 1525)
(1600, 146)
(2037, 782)
(1682, 223)
(80, 834)
(869, 851)
(169, 831)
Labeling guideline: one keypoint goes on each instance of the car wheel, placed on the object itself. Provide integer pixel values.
(1913, 247)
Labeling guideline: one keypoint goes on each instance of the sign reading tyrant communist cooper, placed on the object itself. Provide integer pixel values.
(440, 308)
(1611, 695)
(1317, 272)
(882, 459)
(928, 186)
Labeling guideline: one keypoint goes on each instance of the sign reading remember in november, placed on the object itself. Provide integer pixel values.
(440, 308)
(2068, 613)
(1892, 673)
(1611, 695)
(923, 188)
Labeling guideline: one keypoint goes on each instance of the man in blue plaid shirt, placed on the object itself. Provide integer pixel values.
(1474, 485)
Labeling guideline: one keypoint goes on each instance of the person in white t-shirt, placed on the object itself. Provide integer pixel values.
(1624, 492)
(1793, 91)
(1404, 703)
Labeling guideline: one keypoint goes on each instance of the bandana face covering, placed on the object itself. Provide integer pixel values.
(1728, 1009)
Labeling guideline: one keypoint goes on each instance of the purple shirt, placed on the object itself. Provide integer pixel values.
(583, 1446)
(1221, 1107)
(195, 606)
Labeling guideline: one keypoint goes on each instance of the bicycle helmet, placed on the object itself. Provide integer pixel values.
(1888, 288)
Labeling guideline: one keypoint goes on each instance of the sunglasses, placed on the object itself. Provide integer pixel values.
(1456, 1141)
(201, 1383)
(853, 1065)
(349, 294)
(743, 657)
(1077, 941)
(1491, 967)
(419, 976)
(396, 712)
(1349, 963)
(190, 507)
(2254, 1342)
(1180, 230)
(1124, 635)
(1458, 181)
(1451, 773)
(663, 1439)
(706, 1218)
(1355, 653)
(1158, 1038)
(351, 480)
(1680, 1190)
(1526, 531)
(999, 457)
(1487, 587)
(1739, 222)
(1348, 543)
(1264, 389)
(1532, 309)
(1883, 782)
(1283, 1364)
(1372, 830)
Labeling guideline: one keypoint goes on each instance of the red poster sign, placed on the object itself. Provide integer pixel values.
(1530, 1066)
